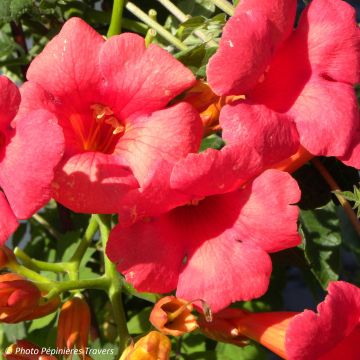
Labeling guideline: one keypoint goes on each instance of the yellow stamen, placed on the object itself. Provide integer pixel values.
(100, 111)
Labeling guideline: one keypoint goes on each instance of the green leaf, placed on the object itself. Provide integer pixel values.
(43, 337)
(42, 322)
(321, 235)
(213, 141)
(12, 9)
(139, 323)
(192, 343)
(353, 197)
(208, 355)
(249, 352)
(194, 22)
(193, 57)
(209, 52)
(98, 351)
(197, 7)
(351, 239)
(348, 195)
(14, 332)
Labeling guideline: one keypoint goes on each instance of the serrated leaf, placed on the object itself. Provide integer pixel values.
(351, 239)
(348, 195)
(353, 197)
(322, 239)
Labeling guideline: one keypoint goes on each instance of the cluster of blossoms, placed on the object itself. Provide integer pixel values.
(106, 132)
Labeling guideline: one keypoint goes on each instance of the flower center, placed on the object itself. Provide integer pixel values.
(99, 131)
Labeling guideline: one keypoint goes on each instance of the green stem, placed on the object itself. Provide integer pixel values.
(116, 17)
(115, 288)
(151, 33)
(182, 17)
(101, 283)
(225, 6)
(150, 37)
(155, 25)
(47, 226)
(42, 282)
(72, 267)
(39, 265)
(85, 241)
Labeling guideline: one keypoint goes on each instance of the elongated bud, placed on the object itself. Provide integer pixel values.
(172, 316)
(223, 327)
(153, 346)
(74, 325)
(294, 162)
(25, 350)
(269, 329)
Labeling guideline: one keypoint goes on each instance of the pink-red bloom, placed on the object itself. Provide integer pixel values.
(110, 98)
(217, 243)
(330, 334)
(298, 85)
(30, 148)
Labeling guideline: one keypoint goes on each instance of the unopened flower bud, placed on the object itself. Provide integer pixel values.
(74, 325)
(269, 329)
(153, 346)
(223, 327)
(172, 316)
(294, 162)
(18, 298)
